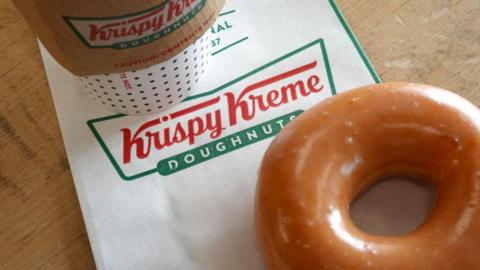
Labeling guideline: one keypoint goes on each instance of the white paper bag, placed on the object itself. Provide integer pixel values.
(175, 190)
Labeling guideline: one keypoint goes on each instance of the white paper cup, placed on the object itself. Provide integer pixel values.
(151, 89)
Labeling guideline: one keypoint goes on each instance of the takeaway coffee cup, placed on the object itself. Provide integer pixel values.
(151, 89)
(138, 46)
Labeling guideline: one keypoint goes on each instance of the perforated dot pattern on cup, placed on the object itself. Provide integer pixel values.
(152, 89)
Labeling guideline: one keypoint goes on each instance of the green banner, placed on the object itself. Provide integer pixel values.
(224, 145)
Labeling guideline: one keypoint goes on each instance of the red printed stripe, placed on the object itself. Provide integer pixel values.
(280, 77)
(195, 108)
(147, 15)
(134, 19)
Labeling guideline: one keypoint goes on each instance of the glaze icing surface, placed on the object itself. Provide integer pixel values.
(325, 158)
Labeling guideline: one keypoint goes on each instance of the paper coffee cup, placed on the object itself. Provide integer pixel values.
(143, 48)
(152, 89)
(97, 36)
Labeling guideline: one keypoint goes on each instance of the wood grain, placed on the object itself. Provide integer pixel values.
(41, 226)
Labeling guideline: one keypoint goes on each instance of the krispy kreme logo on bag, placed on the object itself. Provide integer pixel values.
(133, 30)
(252, 108)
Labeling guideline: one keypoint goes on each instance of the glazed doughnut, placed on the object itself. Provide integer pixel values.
(330, 154)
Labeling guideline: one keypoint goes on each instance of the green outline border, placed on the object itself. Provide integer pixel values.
(91, 122)
(355, 41)
(347, 29)
(226, 13)
(86, 43)
(230, 46)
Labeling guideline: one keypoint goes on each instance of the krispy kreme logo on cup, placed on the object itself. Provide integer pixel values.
(133, 30)
(252, 108)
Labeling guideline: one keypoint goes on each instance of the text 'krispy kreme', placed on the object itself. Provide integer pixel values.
(206, 119)
(137, 27)
(122, 32)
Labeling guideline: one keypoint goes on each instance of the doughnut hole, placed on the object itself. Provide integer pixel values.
(393, 206)
(435, 150)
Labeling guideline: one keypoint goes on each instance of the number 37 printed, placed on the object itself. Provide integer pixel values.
(215, 42)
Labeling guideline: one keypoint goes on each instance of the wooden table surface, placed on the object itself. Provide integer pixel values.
(41, 226)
